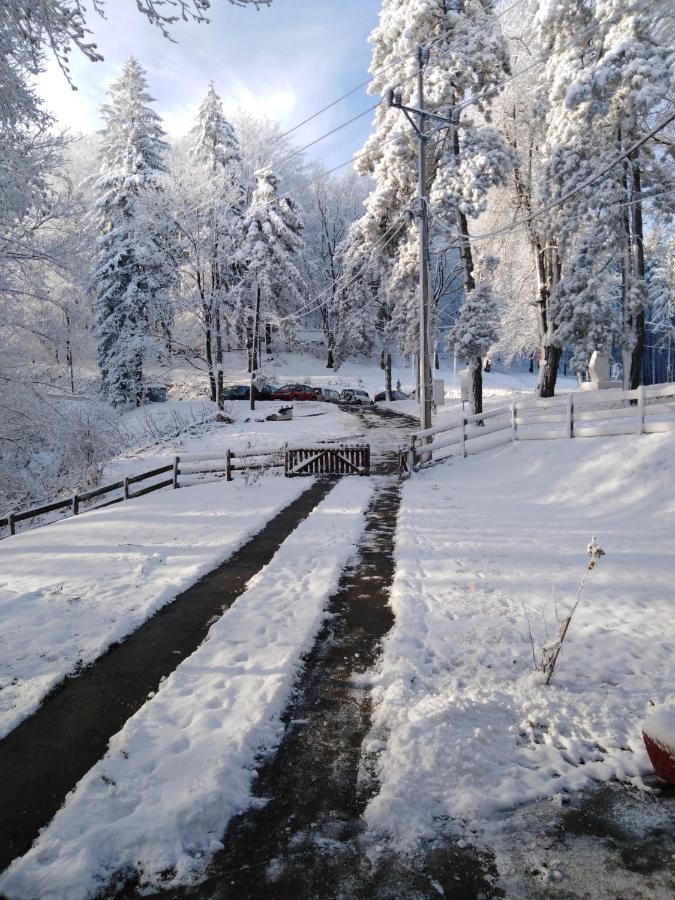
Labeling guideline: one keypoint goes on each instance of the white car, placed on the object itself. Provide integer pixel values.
(352, 395)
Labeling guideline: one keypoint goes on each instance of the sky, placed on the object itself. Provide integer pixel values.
(283, 63)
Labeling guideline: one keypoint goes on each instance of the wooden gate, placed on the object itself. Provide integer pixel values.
(353, 460)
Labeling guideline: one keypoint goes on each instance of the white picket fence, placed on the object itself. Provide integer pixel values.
(646, 410)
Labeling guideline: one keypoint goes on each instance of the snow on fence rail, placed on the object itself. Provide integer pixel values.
(646, 410)
(193, 464)
(200, 464)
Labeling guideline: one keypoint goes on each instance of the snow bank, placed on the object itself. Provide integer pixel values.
(70, 589)
(184, 764)
(463, 725)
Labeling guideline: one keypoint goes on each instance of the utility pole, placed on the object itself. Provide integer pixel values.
(255, 351)
(422, 214)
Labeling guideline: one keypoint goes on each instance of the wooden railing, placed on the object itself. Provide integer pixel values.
(194, 464)
(200, 464)
(646, 410)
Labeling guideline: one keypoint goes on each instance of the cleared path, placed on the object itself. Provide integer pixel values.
(47, 754)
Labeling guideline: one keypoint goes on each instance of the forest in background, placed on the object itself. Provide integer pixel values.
(124, 254)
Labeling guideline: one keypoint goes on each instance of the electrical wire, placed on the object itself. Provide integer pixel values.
(379, 245)
(375, 74)
(571, 193)
(487, 91)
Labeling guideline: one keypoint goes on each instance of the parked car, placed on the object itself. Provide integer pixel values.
(327, 395)
(265, 393)
(236, 392)
(395, 395)
(352, 395)
(294, 392)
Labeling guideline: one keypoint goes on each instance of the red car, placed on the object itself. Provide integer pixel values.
(294, 392)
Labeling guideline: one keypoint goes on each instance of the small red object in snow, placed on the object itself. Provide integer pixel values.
(658, 732)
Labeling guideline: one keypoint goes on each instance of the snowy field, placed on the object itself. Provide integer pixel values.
(72, 588)
(463, 726)
(160, 800)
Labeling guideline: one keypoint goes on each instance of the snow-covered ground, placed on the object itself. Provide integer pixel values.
(160, 800)
(463, 726)
(72, 588)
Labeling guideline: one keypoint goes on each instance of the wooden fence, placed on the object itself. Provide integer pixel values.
(341, 460)
(646, 410)
(195, 464)
(218, 465)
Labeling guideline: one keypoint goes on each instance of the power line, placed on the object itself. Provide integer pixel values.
(573, 191)
(390, 65)
(329, 133)
(313, 304)
(464, 104)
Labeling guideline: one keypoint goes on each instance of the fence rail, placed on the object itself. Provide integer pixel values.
(218, 465)
(646, 410)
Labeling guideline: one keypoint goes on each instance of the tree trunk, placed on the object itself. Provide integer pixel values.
(548, 273)
(475, 364)
(330, 359)
(255, 337)
(475, 367)
(219, 359)
(268, 338)
(640, 272)
(548, 372)
(208, 340)
(387, 377)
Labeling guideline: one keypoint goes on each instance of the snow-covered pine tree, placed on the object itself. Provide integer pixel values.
(583, 306)
(216, 151)
(132, 276)
(475, 330)
(272, 242)
(467, 57)
(609, 70)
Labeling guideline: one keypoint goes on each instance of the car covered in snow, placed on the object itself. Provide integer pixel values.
(294, 392)
(355, 396)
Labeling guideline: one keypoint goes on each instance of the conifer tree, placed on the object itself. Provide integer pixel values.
(608, 72)
(272, 229)
(219, 211)
(132, 278)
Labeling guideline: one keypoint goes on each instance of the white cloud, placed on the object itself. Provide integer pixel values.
(281, 63)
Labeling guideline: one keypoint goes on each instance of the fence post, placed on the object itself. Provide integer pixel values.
(10, 522)
(228, 465)
(641, 409)
(514, 424)
(176, 461)
(126, 488)
(413, 448)
(570, 415)
(76, 504)
(463, 437)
